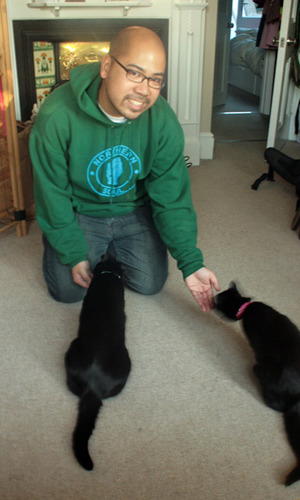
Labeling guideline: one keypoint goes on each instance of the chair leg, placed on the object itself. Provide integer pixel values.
(296, 218)
(269, 177)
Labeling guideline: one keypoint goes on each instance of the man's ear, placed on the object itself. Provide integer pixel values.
(105, 65)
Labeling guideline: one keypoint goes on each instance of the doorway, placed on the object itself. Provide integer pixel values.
(239, 75)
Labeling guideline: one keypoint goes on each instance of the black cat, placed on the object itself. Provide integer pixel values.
(97, 361)
(276, 344)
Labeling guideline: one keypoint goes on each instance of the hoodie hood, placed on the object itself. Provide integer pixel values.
(85, 81)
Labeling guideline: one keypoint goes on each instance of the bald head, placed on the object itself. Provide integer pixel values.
(133, 37)
(136, 59)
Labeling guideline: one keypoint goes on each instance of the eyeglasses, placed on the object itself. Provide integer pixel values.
(137, 77)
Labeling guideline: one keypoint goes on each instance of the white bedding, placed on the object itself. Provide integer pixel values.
(244, 52)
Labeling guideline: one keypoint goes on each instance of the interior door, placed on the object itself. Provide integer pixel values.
(222, 52)
(282, 70)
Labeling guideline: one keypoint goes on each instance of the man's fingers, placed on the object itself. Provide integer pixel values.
(80, 280)
(82, 274)
(203, 300)
(216, 285)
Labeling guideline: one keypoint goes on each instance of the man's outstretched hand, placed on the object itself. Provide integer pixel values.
(200, 285)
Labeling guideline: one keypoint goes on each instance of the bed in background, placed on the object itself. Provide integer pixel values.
(246, 68)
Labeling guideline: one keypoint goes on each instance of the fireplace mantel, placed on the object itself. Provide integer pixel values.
(58, 4)
(186, 40)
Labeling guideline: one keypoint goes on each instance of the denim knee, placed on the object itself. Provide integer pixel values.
(153, 288)
(67, 295)
(58, 278)
(149, 285)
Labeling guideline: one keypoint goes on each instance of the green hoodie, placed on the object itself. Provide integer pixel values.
(85, 163)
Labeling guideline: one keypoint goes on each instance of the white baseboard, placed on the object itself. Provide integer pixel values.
(200, 149)
(207, 144)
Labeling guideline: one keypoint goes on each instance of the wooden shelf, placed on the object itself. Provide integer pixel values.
(12, 203)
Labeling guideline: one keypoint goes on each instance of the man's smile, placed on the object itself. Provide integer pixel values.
(137, 104)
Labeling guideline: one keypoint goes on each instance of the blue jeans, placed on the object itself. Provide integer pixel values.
(131, 239)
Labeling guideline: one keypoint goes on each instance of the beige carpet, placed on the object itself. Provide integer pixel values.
(190, 424)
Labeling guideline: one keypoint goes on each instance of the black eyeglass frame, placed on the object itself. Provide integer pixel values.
(143, 77)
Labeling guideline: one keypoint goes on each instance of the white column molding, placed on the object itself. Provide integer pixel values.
(191, 6)
(187, 46)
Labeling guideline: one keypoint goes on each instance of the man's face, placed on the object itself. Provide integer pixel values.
(119, 96)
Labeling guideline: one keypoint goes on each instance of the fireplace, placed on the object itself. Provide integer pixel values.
(181, 25)
(46, 37)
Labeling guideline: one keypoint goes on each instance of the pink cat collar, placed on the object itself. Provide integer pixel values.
(242, 309)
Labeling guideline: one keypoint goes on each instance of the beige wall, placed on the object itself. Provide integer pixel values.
(209, 63)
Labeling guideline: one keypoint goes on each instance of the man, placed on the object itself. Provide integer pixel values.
(110, 176)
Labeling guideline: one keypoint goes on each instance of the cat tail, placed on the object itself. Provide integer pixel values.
(292, 427)
(89, 406)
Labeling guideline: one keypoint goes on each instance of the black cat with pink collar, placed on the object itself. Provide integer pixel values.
(275, 341)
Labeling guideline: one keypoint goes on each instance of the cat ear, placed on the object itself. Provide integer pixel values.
(232, 285)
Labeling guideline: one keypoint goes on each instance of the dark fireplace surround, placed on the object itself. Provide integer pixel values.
(67, 30)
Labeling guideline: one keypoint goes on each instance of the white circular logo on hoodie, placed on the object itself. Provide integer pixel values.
(113, 171)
